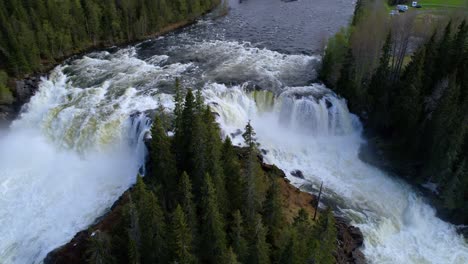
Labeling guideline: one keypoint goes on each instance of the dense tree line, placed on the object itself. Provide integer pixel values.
(204, 201)
(37, 31)
(418, 109)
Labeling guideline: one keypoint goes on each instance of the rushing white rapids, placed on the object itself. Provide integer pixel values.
(78, 145)
(310, 129)
(72, 153)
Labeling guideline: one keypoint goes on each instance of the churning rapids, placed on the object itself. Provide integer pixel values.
(78, 144)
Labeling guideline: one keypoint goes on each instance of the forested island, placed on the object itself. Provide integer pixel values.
(203, 200)
(415, 103)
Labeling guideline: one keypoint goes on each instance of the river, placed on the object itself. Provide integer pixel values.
(78, 144)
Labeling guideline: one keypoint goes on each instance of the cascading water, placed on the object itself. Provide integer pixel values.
(310, 129)
(76, 148)
(78, 145)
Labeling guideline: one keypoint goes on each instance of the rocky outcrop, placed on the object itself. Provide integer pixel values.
(23, 90)
(297, 174)
(350, 240)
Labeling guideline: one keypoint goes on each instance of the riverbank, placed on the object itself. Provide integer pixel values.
(350, 238)
(24, 88)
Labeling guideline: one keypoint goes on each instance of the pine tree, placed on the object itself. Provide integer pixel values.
(236, 234)
(181, 244)
(273, 213)
(379, 88)
(163, 165)
(446, 134)
(133, 231)
(212, 229)
(254, 191)
(260, 249)
(408, 105)
(442, 61)
(325, 249)
(186, 147)
(152, 226)
(231, 257)
(249, 138)
(429, 65)
(186, 201)
(213, 157)
(98, 249)
(235, 183)
(214, 247)
(458, 46)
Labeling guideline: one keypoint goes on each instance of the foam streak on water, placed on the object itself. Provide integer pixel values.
(310, 129)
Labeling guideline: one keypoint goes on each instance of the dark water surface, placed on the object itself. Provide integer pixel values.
(297, 27)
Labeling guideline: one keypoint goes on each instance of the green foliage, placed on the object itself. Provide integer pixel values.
(200, 227)
(31, 31)
(260, 249)
(6, 96)
(237, 237)
(273, 213)
(181, 238)
(163, 162)
(418, 111)
(212, 229)
(346, 84)
(337, 47)
(232, 172)
(99, 249)
(186, 201)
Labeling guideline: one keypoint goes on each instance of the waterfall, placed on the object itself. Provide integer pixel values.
(310, 129)
(74, 150)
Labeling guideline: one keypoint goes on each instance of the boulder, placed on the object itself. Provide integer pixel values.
(297, 174)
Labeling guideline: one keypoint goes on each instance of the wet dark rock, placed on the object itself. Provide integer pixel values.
(297, 174)
(329, 104)
(237, 133)
(264, 151)
(23, 91)
(350, 240)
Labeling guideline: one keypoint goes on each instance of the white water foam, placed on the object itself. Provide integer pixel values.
(73, 152)
(310, 129)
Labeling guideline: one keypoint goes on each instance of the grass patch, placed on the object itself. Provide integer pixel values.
(443, 3)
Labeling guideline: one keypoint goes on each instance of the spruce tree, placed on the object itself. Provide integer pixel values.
(237, 237)
(273, 216)
(235, 182)
(152, 226)
(186, 201)
(163, 164)
(215, 248)
(231, 257)
(408, 105)
(254, 190)
(181, 238)
(213, 145)
(260, 249)
(379, 89)
(324, 251)
(99, 249)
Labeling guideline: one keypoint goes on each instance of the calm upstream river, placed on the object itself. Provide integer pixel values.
(78, 144)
